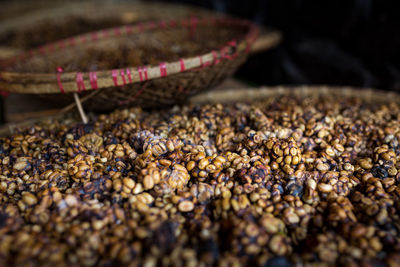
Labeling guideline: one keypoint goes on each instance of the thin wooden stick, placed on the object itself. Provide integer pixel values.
(80, 109)
(83, 99)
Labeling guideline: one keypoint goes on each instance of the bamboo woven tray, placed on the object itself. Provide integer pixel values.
(49, 21)
(249, 95)
(202, 52)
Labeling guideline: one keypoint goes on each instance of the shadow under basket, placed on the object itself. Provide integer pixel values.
(152, 65)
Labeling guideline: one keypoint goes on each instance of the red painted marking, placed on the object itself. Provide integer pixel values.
(114, 74)
(182, 65)
(123, 77)
(142, 73)
(93, 79)
(128, 72)
(145, 72)
(59, 71)
(225, 53)
(163, 69)
(233, 44)
(216, 59)
(79, 82)
(207, 63)
(201, 61)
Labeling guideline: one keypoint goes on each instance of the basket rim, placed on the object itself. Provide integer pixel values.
(78, 8)
(253, 93)
(69, 82)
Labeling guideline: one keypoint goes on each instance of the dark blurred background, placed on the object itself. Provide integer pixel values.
(354, 42)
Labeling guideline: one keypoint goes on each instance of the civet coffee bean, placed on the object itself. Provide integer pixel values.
(287, 181)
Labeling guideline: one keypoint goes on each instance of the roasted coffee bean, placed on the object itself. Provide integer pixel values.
(280, 182)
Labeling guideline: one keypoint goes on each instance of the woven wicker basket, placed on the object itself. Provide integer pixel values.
(49, 21)
(249, 95)
(185, 57)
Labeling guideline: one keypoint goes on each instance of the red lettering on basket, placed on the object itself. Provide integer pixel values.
(123, 77)
(59, 71)
(182, 65)
(79, 82)
(128, 72)
(163, 69)
(114, 75)
(93, 79)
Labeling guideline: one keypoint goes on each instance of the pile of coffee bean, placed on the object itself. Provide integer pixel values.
(285, 181)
